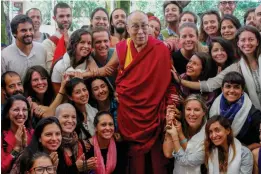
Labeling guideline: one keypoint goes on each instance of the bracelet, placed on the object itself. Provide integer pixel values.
(183, 141)
(61, 93)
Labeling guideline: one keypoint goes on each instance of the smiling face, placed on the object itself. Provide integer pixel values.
(218, 134)
(51, 137)
(67, 118)
(247, 43)
(105, 127)
(80, 94)
(194, 67)
(218, 54)
(39, 84)
(42, 162)
(154, 28)
(25, 33)
(194, 114)
(188, 38)
(13, 85)
(36, 17)
(84, 47)
(119, 19)
(137, 28)
(172, 13)
(210, 24)
(100, 19)
(186, 18)
(228, 30)
(18, 113)
(100, 90)
(101, 43)
(251, 19)
(232, 92)
(227, 7)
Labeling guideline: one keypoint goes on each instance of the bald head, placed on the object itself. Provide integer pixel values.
(258, 17)
(64, 107)
(136, 14)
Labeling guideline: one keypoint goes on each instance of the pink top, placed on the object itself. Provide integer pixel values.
(6, 157)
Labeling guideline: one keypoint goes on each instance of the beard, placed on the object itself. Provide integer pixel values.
(61, 26)
(120, 30)
(26, 42)
(14, 93)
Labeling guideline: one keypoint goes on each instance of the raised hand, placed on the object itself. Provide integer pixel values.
(92, 163)
(80, 163)
(24, 138)
(18, 138)
(171, 130)
(175, 75)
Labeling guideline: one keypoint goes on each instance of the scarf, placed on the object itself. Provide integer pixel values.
(251, 87)
(111, 157)
(238, 118)
(72, 143)
(233, 166)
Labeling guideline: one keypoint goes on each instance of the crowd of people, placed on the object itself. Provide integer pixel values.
(126, 95)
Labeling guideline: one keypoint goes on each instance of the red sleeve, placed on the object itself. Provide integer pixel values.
(6, 161)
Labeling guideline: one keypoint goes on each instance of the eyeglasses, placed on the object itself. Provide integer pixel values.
(136, 27)
(224, 3)
(40, 170)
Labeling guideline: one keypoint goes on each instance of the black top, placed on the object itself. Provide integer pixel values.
(252, 130)
(180, 62)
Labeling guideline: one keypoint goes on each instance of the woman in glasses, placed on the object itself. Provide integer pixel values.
(40, 163)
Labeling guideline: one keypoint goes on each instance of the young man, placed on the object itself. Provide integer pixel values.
(23, 53)
(56, 44)
(118, 24)
(258, 17)
(36, 16)
(226, 7)
(172, 10)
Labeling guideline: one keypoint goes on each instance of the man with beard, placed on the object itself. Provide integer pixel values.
(36, 16)
(249, 17)
(258, 17)
(56, 44)
(172, 10)
(118, 24)
(226, 7)
(23, 53)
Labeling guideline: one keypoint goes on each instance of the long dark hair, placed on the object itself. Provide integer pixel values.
(70, 85)
(203, 35)
(74, 40)
(204, 59)
(111, 19)
(229, 51)
(6, 123)
(92, 100)
(209, 145)
(258, 37)
(28, 90)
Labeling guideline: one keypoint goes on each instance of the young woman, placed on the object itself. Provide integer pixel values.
(38, 86)
(197, 69)
(102, 143)
(102, 97)
(249, 47)
(235, 105)
(209, 27)
(223, 152)
(46, 138)
(77, 56)
(78, 94)
(154, 27)
(100, 18)
(16, 130)
(188, 38)
(39, 163)
(185, 142)
(222, 55)
(73, 148)
(229, 26)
